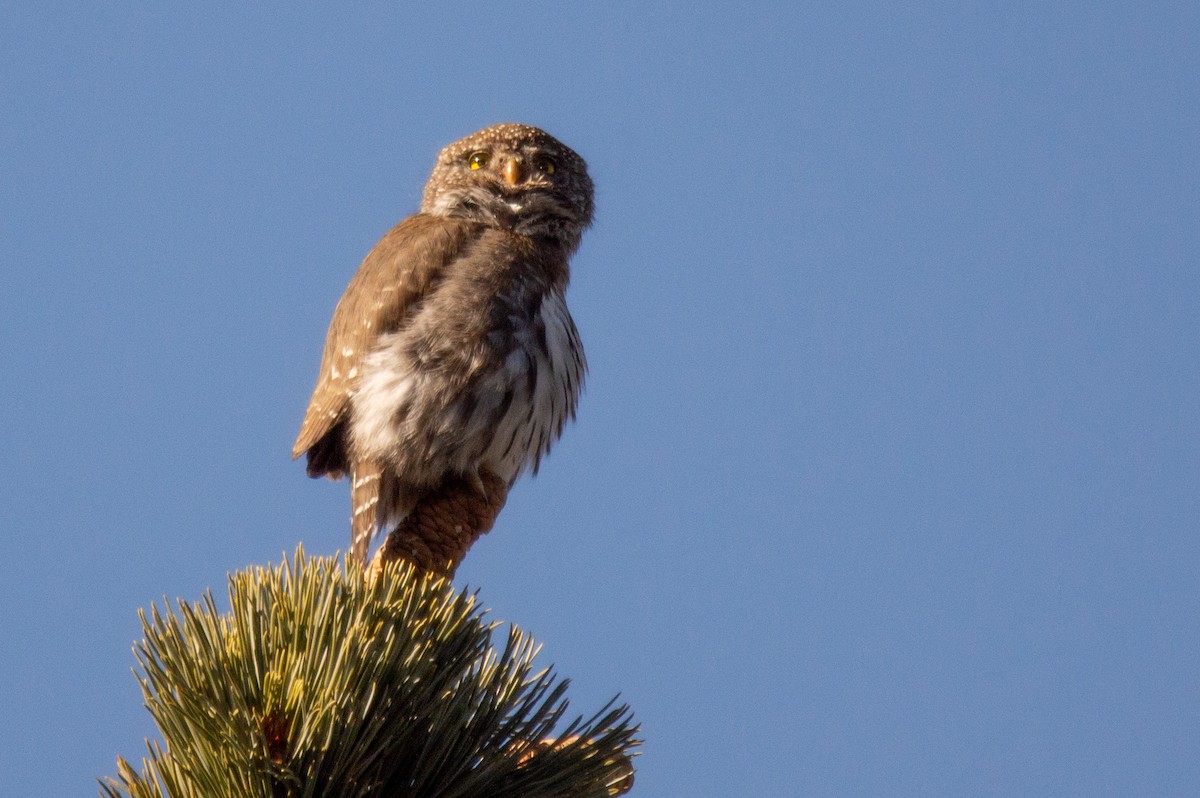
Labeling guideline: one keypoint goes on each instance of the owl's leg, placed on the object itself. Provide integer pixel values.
(443, 524)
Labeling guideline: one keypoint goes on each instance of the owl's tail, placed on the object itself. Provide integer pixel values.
(364, 508)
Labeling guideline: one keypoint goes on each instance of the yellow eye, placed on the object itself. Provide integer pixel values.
(478, 159)
(545, 165)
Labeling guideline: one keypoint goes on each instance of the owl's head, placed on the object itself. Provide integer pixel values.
(514, 177)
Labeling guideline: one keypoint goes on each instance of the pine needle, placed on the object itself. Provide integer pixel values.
(318, 683)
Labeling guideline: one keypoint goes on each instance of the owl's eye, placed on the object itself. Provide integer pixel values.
(478, 159)
(545, 165)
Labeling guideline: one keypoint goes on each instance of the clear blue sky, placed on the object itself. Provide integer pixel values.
(887, 476)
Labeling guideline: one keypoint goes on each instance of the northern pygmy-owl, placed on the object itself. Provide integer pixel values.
(452, 356)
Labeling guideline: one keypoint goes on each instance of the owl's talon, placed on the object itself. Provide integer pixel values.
(476, 482)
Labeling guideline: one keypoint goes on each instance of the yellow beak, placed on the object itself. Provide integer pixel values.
(513, 173)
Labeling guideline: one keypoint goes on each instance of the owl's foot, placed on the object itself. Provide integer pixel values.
(445, 522)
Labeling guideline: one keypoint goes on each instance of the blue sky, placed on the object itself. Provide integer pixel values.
(887, 476)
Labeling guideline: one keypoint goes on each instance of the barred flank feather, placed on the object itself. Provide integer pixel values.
(364, 501)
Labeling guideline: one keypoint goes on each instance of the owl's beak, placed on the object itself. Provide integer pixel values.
(513, 172)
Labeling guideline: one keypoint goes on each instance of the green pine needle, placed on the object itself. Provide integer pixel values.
(318, 684)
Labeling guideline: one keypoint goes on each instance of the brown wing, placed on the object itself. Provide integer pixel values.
(396, 273)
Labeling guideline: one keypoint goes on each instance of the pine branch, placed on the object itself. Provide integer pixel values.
(319, 683)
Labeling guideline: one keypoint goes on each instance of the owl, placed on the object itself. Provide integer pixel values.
(452, 363)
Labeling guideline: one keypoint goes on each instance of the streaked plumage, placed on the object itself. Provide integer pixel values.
(452, 350)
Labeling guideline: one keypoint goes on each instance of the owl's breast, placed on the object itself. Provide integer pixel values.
(476, 379)
(538, 388)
